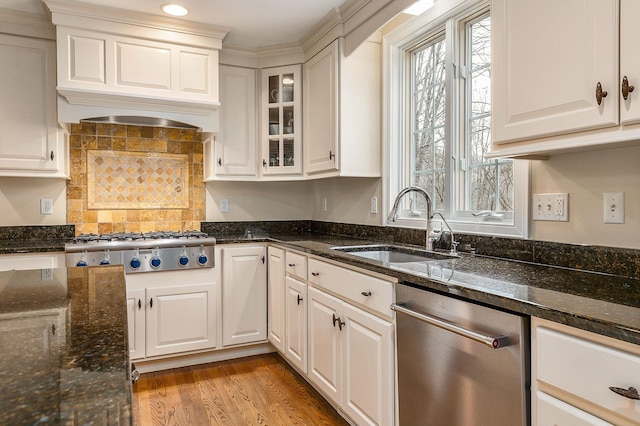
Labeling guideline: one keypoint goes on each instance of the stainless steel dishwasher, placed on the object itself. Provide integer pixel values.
(459, 363)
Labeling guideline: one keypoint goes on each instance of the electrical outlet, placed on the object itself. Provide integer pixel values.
(46, 274)
(553, 207)
(374, 205)
(46, 206)
(224, 205)
(614, 207)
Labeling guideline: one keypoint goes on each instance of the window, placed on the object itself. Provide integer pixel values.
(438, 82)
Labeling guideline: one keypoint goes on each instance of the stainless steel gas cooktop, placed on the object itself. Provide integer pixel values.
(143, 252)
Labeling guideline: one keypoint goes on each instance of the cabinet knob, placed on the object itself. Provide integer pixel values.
(52, 156)
(219, 161)
(331, 155)
(54, 329)
(366, 293)
(299, 299)
(264, 163)
(139, 304)
(631, 393)
(151, 303)
(626, 89)
(315, 274)
(291, 265)
(600, 93)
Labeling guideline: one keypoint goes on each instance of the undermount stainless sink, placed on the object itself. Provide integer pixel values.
(393, 254)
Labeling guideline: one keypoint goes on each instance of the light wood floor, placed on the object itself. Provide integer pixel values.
(259, 390)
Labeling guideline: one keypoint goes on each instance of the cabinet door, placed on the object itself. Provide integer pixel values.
(321, 111)
(276, 298)
(296, 323)
(548, 57)
(136, 322)
(281, 123)
(325, 343)
(367, 351)
(629, 59)
(180, 318)
(244, 295)
(235, 145)
(28, 124)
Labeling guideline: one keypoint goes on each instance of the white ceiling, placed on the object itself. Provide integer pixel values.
(253, 23)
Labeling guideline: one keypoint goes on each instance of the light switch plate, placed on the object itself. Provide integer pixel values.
(553, 207)
(614, 207)
(224, 205)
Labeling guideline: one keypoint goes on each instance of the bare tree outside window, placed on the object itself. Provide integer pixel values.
(429, 101)
(488, 183)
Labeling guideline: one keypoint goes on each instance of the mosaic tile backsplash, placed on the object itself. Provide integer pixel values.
(134, 179)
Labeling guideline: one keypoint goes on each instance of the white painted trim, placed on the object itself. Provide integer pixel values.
(26, 24)
(187, 360)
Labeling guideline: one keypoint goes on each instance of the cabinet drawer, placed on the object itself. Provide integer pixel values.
(552, 411)
(296, 265)
(587, 369)
(368, 291)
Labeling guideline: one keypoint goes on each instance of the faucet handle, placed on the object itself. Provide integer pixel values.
(454, 246)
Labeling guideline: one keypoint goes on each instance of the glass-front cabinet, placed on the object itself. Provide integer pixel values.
(281, 121)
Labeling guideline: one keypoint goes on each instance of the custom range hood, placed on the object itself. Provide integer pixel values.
(120, 66)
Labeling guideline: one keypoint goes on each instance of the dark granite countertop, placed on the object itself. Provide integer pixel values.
(64, 355)
(601, 303)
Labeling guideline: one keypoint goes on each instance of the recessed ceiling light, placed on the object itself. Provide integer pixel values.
(174, 9)
(419, 7)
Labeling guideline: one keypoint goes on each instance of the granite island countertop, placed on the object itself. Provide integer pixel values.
(601, 303)
(64, 355)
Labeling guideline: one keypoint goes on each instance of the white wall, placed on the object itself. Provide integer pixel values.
(250, 201)
(348, 200)
(586, 176)
(20, 201)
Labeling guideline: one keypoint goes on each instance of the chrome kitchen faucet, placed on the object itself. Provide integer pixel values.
(393, 214)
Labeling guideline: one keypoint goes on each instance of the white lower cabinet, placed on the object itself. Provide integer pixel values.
(22, 261)
(244, 295)
(573, 372)
(296, 322)
(165, 317)
(351, 358)
(275, 302)
(338, 332)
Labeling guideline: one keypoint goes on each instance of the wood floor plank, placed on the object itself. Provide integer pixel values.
(259, 390)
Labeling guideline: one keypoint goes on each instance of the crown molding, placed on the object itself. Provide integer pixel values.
(123, 16)
(26, 24)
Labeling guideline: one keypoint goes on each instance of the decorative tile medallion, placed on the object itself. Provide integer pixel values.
(137, 180)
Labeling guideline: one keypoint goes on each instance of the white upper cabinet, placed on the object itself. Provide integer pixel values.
(281, 124)
(233, 154)
(557, 76)
(342, 111)
(31, 143)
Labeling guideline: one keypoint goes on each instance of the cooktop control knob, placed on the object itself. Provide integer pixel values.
(135, 263)
(105, 262)
(81, 262)
(183, 260)
(202, 259)
(155, 262)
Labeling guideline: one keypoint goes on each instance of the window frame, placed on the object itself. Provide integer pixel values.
(397, 47)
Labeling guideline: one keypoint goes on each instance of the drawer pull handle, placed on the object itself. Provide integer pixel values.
(366, 293)
(299, 299)
(315, 274)
(631, 393)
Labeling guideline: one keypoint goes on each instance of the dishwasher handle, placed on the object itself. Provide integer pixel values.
(490, 341)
